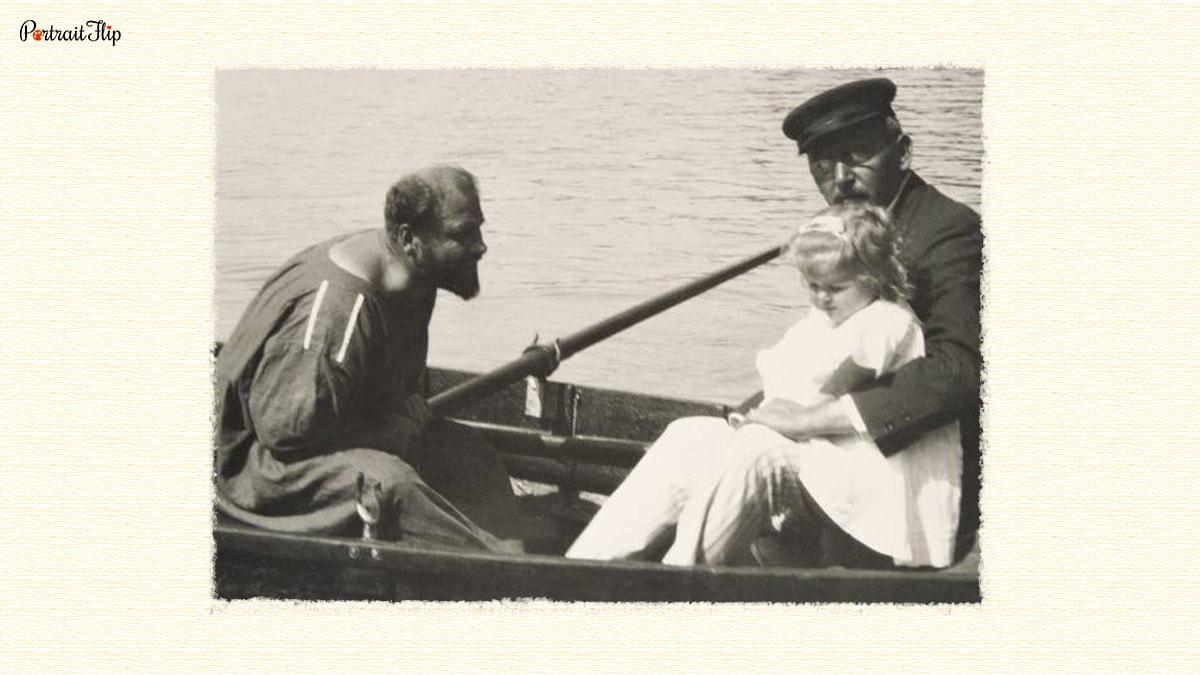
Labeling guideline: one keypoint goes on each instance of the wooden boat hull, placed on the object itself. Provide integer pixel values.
(315, 568)
(584, 440)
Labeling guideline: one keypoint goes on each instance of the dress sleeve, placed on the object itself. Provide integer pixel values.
(881, 338)
(889, 339)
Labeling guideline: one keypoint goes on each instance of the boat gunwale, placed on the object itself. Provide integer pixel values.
(647, 579)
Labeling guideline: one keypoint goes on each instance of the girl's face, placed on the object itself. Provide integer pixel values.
(837, 294)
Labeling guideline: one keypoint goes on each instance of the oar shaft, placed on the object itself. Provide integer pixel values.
(491, 382)
(544, 360)
(580, 340)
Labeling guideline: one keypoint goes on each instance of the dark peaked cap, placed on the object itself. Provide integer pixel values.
(839, 108)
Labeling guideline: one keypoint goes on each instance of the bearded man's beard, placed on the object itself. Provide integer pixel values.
(461, 281)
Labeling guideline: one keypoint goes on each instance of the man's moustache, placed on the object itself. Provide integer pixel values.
(851, 198)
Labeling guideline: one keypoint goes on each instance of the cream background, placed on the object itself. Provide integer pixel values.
(1089, 204)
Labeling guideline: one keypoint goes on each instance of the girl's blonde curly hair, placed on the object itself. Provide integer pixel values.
(864, 246)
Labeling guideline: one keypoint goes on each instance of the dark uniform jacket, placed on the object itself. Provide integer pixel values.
(942, 250)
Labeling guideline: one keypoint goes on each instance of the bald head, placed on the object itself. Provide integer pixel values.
(420, 199)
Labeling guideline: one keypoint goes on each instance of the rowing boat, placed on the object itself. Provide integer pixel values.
(566, 447)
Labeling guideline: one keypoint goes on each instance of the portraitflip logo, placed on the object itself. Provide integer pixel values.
(92, 31)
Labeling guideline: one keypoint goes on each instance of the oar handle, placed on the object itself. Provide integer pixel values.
(533, 361)
(541, 360)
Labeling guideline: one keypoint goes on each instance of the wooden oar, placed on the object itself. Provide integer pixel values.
(541, 360)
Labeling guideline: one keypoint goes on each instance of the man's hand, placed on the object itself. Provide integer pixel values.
(799, 422)
(416, 412)
(393, 432)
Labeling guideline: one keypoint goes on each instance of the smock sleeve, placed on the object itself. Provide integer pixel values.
(311, 391)
(299, 401)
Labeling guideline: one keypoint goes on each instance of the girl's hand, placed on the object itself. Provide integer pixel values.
(778, 414)
(800, 422)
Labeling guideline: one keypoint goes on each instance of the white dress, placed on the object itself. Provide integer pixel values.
(906, 505)
(715, 489)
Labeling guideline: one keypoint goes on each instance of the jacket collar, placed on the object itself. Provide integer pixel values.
(908, 186)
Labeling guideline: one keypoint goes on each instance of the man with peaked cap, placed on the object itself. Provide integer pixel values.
(735, 484)
(857, 150)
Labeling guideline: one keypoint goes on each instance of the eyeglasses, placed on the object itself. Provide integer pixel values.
(852, 155)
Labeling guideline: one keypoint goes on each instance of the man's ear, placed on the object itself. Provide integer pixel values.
(905, 152)
(406, 238)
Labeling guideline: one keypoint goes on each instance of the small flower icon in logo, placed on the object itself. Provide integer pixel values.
(37, 34)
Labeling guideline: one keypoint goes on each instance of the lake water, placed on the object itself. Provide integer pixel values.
(601, 188)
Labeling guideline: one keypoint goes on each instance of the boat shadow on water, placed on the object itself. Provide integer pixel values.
(576, 446)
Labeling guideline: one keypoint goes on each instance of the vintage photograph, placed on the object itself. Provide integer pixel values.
(610, 335)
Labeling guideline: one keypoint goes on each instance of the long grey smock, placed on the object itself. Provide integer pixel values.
(308, 389)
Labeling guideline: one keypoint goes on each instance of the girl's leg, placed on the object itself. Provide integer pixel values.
(642, 511)
(734, 504)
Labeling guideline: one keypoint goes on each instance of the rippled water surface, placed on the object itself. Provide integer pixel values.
(601, 188)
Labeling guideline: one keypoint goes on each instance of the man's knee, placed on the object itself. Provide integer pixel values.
(445, 439)
(451, 431)
(456, 456)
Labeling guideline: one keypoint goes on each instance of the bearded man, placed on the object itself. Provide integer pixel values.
(320, 412)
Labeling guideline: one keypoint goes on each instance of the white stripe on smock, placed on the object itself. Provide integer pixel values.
(350, 327)
(312, 316)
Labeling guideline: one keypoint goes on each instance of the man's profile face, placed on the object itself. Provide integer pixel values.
(854, 166)
(450, 255)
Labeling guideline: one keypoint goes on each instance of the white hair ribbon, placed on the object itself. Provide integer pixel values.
(832, 224)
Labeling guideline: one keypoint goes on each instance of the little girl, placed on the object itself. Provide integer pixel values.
(721, 484)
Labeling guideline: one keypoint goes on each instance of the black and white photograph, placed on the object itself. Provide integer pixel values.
(598, 334)
(584, 337)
